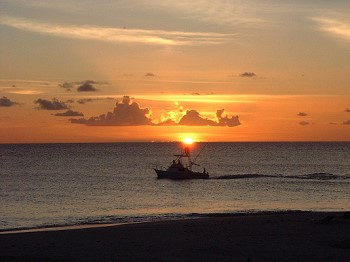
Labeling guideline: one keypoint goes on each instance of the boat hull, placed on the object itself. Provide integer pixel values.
(181, 175)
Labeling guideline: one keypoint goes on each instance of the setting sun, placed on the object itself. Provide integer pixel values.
(188, 140)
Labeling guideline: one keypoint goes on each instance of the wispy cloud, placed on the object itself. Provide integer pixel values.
(304, 123)
(23, 91)
(219, 12)
(114, 34)
(335, 27)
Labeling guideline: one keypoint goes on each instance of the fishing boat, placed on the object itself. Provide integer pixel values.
(181, 167)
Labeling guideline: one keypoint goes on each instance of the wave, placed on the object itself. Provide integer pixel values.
(312, 176)
(241, 176)
(320, 176)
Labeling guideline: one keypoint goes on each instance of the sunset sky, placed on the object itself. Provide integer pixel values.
(137, 70)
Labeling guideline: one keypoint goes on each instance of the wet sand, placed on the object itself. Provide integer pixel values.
(300, 236)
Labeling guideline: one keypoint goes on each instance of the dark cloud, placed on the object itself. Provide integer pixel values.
(83, 86)
(168, 122)
(248, 74)
(55, 104)
(5, 102)
(70, 113)
(127, 113)
(193, 118)
(304, 123)
(150, 75)
(67, 85)
(302, 114)
(124, 114)
(87, 86)
(227, 121)
(347, 110)
(346, 122)
(88, 100)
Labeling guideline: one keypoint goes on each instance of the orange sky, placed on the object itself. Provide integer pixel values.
(262, 118)
(280, 70)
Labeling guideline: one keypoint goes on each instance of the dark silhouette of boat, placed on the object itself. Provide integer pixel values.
(179, 170)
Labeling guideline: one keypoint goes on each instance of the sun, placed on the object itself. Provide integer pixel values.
(188, 140)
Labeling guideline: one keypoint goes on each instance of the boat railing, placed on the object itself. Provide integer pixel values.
(158, 167)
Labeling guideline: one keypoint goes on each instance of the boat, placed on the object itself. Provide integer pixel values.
(181, 168)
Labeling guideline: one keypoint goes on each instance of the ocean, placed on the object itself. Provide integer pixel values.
(53, 185)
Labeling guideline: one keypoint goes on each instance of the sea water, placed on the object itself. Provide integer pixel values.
(44, 185)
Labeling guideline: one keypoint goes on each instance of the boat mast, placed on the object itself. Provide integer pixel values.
(188, 155)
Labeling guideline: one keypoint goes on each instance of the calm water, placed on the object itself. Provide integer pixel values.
(67, 184)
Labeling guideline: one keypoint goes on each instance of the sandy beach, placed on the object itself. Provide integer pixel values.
(290, 236)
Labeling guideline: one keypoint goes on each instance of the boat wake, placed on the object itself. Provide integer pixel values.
(313, 176)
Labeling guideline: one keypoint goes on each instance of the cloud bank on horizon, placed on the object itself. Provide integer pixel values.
(127, 113)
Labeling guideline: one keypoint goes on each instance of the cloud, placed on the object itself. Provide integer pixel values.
(116, 35)
(70, 101)
(192, 118)
(83, 86)
(127, 113)
(84, 100)
(124, 114)
(346, 122)
(347, 110)
(304, 123)
(302, 114)
(67, 85)
(232, 13)
(167, 122)
(248, 74)
(150, 75)
(70, 113)
(227, 121)
(86, 87)
(334, 27)
(55, 104)
(5, 102)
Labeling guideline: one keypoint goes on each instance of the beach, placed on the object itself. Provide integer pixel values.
(284, 236)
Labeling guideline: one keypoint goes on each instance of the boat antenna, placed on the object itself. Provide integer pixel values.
(200, 151)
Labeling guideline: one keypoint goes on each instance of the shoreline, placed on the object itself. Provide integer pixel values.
(291, 236)
(176, 217)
